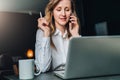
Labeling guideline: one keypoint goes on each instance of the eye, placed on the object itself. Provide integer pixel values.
(58, 9)
(67, 9)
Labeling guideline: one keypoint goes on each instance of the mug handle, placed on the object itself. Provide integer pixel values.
(37, 73)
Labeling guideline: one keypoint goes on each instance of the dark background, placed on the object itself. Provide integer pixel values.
(18, 30)
(17, 33)
(96, 11)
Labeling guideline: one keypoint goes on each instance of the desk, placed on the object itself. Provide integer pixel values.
(51, 76)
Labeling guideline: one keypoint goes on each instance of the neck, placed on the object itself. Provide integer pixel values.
(61, 28)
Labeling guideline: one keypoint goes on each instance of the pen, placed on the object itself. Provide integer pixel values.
(40, 15)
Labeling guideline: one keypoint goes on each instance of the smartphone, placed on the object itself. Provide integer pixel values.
(70, 20)
(70, 17)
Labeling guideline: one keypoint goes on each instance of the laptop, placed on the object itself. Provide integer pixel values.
(92, 56)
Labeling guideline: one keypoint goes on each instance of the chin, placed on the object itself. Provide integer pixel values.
(63, 23)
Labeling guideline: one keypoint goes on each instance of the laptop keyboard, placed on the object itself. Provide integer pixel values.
(59, 72)
(60, 68)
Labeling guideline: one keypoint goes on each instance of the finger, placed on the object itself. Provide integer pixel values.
(42, 28)
(73, 19)
(45, 23)
(39, 19)
(47, 28)
(72, 16)
(40, 22)
(73, 22)
(70, 26)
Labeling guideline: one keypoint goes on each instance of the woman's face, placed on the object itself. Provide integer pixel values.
(62, 12)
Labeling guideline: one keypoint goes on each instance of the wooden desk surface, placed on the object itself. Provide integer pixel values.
(51, 76)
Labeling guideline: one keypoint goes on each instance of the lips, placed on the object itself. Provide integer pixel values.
(63, 19)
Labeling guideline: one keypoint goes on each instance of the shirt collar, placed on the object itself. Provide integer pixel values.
(58, 32)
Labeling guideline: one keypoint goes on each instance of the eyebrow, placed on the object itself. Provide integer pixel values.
(61, 7)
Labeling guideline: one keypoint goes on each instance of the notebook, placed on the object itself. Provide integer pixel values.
(92, 56)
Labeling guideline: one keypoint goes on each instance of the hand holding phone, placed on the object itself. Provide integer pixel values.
(73, 25)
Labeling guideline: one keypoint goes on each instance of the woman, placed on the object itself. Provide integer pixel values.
(55, 29)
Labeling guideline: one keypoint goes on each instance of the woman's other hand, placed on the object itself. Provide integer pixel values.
(44, 25)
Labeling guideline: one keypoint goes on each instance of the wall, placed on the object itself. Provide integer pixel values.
(96, 11)
(18, 25)
(23, 5)
(17, 33)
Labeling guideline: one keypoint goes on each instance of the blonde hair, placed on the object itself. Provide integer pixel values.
(49, 16)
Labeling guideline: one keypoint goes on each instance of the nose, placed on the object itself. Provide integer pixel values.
(63, 12)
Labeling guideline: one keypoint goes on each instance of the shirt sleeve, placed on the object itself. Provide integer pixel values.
(42, 52)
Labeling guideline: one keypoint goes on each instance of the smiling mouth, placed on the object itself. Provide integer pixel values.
(63, 19)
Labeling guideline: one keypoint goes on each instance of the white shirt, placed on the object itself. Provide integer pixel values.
(45, 55)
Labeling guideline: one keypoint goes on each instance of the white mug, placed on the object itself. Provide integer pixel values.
(26, 69)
